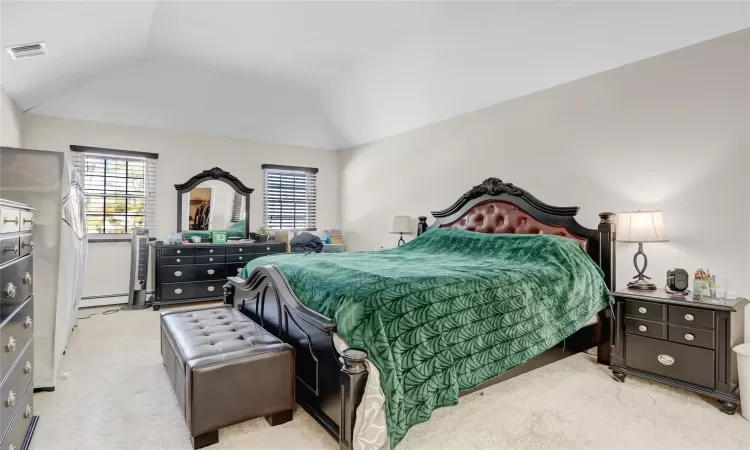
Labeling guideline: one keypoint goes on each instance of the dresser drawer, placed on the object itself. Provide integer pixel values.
(10, 220)
(27, 220)
(645, 310)
(691, 316)
(691, 336)
(12, 389)
(15, 333)
(172, 260)
(243, 258)
(177, 250)
(213, 259)
(10, 249)
(192, 272)
(647, 328)
(27, 244)
(208, 251)
(198, 289)
(20, 423)
(681, 362)
(16, 284)
(234, 269)
(270, 247)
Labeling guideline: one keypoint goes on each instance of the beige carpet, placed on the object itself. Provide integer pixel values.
(114, 395)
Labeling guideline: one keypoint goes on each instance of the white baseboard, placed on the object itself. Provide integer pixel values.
(91, 302)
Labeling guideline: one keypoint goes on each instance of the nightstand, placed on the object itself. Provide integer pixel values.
(679, 341)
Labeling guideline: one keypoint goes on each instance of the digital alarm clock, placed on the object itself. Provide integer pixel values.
(677, 280)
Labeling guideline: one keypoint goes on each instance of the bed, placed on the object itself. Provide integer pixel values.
(331, 378)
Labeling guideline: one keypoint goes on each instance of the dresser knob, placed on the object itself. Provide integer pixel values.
(27, 278)
(28, 412)
(211, 251)
(211, 288)
(27, 323)
(178, 291)
(642, 310)
(11, 400)
(178, 274)
(179, 260)
(240, 250)
(689, 337)
(10, 290)
(210, 271)
(179, 251)
(11, 347)
(28, 367)
(643, 328)
(240, 258)
(210, 259)
(665, 359)
(689, 317)
(268, 248)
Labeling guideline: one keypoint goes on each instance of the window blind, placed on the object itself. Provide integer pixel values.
(120, 189)
(238, 207)
(290, 197)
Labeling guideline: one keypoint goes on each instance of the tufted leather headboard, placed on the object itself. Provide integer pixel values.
(498, 216)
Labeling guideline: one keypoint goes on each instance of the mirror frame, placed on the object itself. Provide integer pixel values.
(214, 174)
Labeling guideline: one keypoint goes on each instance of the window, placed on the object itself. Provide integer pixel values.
(290, 197)
(120, 189)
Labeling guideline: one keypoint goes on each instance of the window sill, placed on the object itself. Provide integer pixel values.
(110, 239)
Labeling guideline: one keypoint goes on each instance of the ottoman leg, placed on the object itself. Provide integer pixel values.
(205, 439)
(279, 418)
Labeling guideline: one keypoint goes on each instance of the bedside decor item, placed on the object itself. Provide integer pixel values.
(196, 239)
(219, 237)
(262, 233)
(401, 225)
(677, 281)
(641, 227)
(175, 238)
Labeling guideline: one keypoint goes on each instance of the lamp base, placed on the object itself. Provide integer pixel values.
(642, 285)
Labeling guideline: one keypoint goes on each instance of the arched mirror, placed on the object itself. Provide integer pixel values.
(213, 200)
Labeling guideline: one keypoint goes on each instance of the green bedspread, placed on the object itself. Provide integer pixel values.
(448, 310)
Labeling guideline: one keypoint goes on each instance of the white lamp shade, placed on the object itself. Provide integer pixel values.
(641, 226)
(401, 224)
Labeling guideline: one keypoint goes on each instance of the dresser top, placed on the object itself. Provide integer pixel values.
(15, 205)
(214, 244)
(661, 296)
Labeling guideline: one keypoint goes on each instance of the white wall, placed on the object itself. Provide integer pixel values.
(181, 155)
(10, 121)
(670, 132)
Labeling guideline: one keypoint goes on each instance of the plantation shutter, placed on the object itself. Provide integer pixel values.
(290, 197)
(120, 189)
(238, 207)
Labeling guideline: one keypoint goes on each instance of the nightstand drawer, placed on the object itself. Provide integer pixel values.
(681, 362)
(691, 336)
(647, 328)
(645, 310)
(691, 316)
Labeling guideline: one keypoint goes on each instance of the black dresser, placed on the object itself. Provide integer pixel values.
(17, 420)
(680, 342)
(197, 272)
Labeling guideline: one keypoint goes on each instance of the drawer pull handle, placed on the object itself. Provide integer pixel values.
(15, 220)
(179, 260)
(665, 359)
(179, 251)
(28, 367)
(689, 337)
(642, 310)
(240, 250)
(240, 258)
(178, 291)
(643, 328)
(178, 274)
(31, 221)
(210, 259)
(30, 245)
(210, 271)
(28, 412)
(689, 317)
(11, 347)
(268, 249)
(13, 249)
(11, 400)
(10, 290)
(27, 278)
(211, 251)
(211, 288)
(27, 323)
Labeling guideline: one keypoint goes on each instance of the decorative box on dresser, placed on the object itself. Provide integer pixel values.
(679, 341)
(186, 273)
(17, 419)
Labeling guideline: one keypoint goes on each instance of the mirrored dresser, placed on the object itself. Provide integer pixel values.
(17, 419)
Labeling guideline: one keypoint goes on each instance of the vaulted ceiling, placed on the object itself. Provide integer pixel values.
(325, 74)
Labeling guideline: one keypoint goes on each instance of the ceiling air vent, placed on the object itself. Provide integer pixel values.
(27, 50)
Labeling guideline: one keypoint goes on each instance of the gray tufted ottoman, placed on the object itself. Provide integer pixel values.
(225, 369)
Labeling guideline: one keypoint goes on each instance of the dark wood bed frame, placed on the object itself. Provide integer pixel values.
(330, 385)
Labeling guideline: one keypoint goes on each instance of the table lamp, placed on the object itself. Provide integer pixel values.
(401, 225)
(641, 227)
